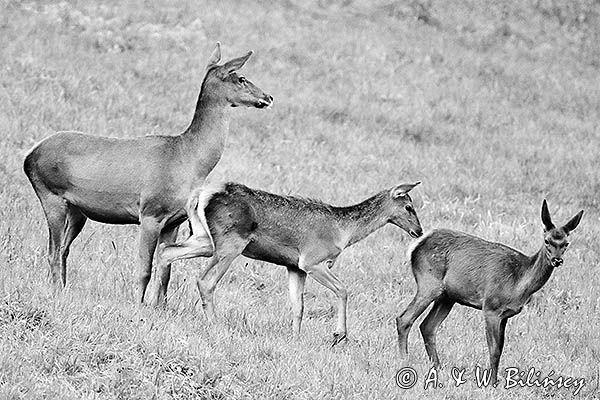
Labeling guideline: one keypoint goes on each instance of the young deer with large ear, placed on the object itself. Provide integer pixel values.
(304, 235)
(144, 181)
(453, 267)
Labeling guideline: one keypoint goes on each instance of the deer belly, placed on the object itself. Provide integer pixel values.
(275, 253)
(110, 208)
(463, 291)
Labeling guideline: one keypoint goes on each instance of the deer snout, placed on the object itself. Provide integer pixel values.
(266, 101)
(556, 262)
(415, 233)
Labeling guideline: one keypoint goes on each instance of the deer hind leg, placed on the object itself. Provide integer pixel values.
(296, 280)
(198, 244)
(168, 253)
(495, 327)
(55, 209)
(189, 248)
(75, 221)
(64, 224)
(200, 236)
(426, 293)
(226, 250)
(437, 315)
(168, 235)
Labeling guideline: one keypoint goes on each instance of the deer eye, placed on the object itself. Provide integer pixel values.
(242, 79)
(546, 241)
(409, 208)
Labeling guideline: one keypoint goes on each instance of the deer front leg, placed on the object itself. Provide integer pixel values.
(150, 229)
(495, 327)
(296, 279)
(322, 274)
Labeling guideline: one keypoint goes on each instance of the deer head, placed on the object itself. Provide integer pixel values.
(556, 239)
(224, 84)
(402, 211)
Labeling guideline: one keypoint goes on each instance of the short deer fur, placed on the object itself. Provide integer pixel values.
(304, 235)
(453, 267)
(144, 181)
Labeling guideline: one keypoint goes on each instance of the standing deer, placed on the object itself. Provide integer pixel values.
(304, 235)
(144, 181)
(453, 267)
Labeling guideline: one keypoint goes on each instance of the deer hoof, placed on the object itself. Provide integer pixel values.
(338, 338)
(160, 301)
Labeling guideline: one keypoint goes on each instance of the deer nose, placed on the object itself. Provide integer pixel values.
(264, 101)
(556, 261)
(418, 232)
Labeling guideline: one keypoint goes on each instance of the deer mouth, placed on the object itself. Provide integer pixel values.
(263, 103)
(556, 262)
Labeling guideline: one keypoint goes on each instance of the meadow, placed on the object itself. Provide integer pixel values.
(494, 107)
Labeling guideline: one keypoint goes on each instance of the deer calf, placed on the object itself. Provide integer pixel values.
(453, 267)
(304, 235)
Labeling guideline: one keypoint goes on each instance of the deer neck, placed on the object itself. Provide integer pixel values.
(204, 140)
(362, 219)
(537, 274)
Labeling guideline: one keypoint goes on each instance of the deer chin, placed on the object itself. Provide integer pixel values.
(256, 103)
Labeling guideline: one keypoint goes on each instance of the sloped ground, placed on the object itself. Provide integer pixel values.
(493, 107)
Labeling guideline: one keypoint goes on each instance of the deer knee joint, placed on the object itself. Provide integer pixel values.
(426, 331)
(204, 290)
(402, 325)
(144, 277)
(297, 311)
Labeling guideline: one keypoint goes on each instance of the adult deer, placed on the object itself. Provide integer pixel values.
(304, 235)
(453, 267)
(144, 181)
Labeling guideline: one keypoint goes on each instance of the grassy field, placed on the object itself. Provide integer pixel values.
(493, 107)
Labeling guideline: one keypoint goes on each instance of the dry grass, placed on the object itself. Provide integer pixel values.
(493, 107)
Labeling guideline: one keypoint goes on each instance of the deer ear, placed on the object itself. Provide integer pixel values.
(215, 57)
(235, 64)
(572, 224)
(546, 220)
(402, 189)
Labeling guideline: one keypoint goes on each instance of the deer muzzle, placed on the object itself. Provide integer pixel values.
(556, 262)
(415, 233)
(265, 102)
